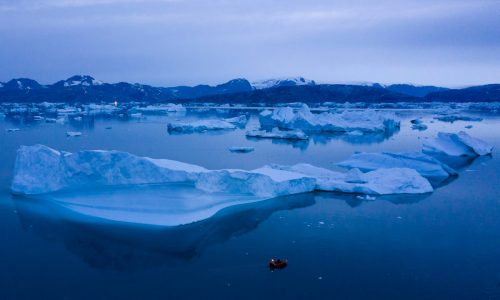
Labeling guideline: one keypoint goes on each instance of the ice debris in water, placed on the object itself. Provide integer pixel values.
(275, 133)
(303, 119)
(453, 118)
(425, 165)
(208, 124)
(241, 149)
(40, 169)
(73, 133)
(418, 124)
(457, 144)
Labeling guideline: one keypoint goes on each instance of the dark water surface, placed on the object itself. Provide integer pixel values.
(445, 245)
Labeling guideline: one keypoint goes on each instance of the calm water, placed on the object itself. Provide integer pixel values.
(445, 245)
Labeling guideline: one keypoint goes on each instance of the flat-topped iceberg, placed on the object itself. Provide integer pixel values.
(303, 119)
(40, 169)
(275, 133)
(207, 125)
(453, 144)
(425, 165)
(241, 149)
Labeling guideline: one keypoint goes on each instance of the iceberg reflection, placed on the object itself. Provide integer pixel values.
(123, 246)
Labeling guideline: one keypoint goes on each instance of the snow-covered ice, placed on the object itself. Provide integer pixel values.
(425, 165)
(456, 144)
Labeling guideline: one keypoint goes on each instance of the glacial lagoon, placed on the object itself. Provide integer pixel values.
(112, 243)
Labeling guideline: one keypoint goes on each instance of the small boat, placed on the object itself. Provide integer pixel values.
(277, 264)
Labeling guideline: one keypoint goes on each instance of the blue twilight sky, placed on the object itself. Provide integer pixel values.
(172, 42)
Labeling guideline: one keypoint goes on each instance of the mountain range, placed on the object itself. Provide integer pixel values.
(84, 89)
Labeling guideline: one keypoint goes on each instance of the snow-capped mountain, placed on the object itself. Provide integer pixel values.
(79, 80)
(278, 82)
(20, 84)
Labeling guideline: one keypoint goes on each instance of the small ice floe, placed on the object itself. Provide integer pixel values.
(136, 115)
(417, 124)
(38, 118)
(78, 119)
(425, 165)
(241, 149)
(108, 127)
(12, 129)
(73, 133)
(275, 133)
(469, 126)
(366, 197)
(457, 144)
(50, 120)
(453, 118)
(200, 126)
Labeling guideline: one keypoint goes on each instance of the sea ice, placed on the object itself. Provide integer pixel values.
(460, 144)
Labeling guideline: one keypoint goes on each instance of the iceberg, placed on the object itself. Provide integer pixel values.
(425, 165)
(460, 144)
(275, 133)
(40, 169)
(208, 124)
(364, 121)
(417, 124)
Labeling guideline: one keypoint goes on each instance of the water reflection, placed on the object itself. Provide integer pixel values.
(122, 247)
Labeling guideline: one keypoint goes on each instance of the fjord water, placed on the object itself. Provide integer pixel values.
(444, 245)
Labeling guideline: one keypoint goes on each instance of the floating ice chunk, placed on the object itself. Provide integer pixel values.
(275, 133)
(162, 108)
(200, 125)
(378, 182)
(460, 144)
(240, 120)
(426, 165)
(12, 129)
(241, 149)
(469, 126)
(304, 119)
(453, 118)
(417, 124)
(73, 133)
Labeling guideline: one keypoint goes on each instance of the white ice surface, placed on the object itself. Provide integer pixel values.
(460, 144)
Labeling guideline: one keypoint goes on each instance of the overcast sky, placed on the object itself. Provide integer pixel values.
(172, 42)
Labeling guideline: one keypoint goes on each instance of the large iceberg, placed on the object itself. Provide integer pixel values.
(365, 121)
(460, 144)
(40, 169)
(425, 165)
